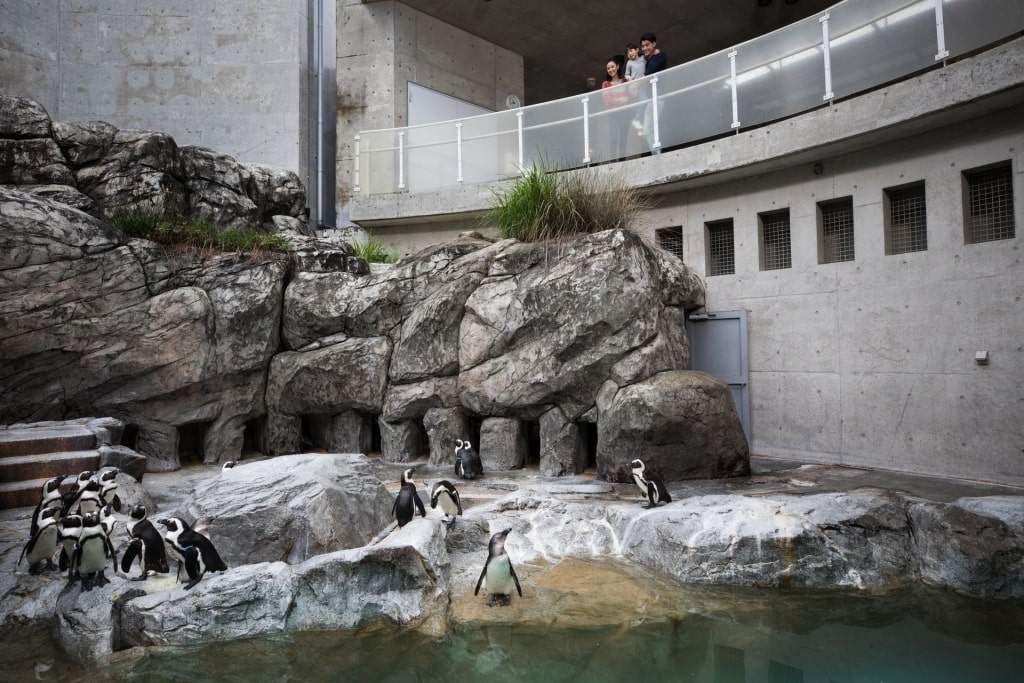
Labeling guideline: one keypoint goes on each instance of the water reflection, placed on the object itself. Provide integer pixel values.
(734, 636)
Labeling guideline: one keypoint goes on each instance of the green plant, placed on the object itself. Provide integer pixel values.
(373, 250)
(541, 204)
(172, 229)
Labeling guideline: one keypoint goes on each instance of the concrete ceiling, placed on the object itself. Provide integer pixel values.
(565, 41)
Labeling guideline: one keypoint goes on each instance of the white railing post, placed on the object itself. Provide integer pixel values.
(586, 130)
(356, 173)
(735, 102)
(654, 114)
(827, 54)
(458, 144)
(940, 32)
(401, 160)
(519, 128)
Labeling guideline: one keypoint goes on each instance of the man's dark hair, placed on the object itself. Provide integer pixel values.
(649, 37)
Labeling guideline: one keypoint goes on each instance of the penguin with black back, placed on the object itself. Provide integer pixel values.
(108, 488)
(68, 498)
(407, 502)
(69, 531)
(195, 552)
(43, 543)
(147, 545)
(445, 494)
(500, 573)
(467, 461)
(50, 498)
(460, 467)
(87, 500)
(653, 488)
(92, 550)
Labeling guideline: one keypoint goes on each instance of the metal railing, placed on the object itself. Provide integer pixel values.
(852, 47)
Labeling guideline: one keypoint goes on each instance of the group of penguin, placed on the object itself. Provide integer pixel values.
(78, 525)
(498, 570)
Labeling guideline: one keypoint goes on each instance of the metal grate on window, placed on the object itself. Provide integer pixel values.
(775, 241)
(908, 226)
(721, 248)
(671, 240)
(990, 204)
(836, 231)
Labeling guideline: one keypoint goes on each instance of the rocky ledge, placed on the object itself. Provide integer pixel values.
(310, 546)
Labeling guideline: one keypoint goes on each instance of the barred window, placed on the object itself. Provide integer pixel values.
(721, 250)
(906, 225)
(671, 240)
(775, 245)
(989, 204)
(835, 231)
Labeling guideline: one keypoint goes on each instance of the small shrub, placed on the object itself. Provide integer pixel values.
(374, 251)
(174, 230)
(542, 205)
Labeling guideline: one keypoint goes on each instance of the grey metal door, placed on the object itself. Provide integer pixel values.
(718, 346)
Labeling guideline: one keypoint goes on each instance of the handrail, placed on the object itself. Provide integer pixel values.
(856, 45)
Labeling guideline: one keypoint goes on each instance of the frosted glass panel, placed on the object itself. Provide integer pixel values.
(780, 74)
(971, 24)
(490, 147)
(553, 134)
(378, 162)
(696, 100)
(431, 157)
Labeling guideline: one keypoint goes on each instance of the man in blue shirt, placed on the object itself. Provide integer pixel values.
(656, 61)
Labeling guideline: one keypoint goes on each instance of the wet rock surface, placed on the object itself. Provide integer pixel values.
(585, 551)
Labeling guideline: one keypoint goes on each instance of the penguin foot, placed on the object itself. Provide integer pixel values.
(191, 584)
(502, 600)
(139, 578)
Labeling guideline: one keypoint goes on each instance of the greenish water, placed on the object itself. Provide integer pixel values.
(738, 636)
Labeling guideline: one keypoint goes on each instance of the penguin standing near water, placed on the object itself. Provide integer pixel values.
(147, 545)
(43, 543)
(651, 486)
(445, 494)
(195, 552)
(407, 501)
(500, 573)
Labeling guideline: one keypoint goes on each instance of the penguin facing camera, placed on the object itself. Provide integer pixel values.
(195, 552)
(467, 460)
(499, 572)
(147, 545)
(651, 486)
(407, 502)
(92, 550)
(445, 494)
(43, 543)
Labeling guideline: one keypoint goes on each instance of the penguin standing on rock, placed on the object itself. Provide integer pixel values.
(195, 552)
(146, 544)
(407, 501)
(51, 498)
(69, 531)
(500, 573)
(42, 544)
(445, 494)
(108, 488)
(652, 487)
(467, 461)
(91, 552)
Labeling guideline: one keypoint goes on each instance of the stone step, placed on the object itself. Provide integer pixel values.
(45, 465)
(46, 438)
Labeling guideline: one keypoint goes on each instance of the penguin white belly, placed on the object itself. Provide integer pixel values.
(448, 505)
(45, 545)
(93, 555)
(499, 576)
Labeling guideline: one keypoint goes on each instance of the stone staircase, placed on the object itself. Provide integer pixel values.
(31, 454)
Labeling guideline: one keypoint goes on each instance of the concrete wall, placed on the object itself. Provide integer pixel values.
(382, 46)
(871, 362)
(226, 74)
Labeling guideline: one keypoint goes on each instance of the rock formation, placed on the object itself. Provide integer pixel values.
(539, 353)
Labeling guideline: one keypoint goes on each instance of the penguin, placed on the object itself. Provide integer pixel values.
(43, 543)
(653, 489)
(459, 465)
(146, 544)
(91, 552)
(87, 500)
(107, 519)
(445, 494)
(69, 530)
(228, 465)
(68, 499)
(499, 572)
(51, 498)
(108, 488)
(467, 462)
(195, 552)
(407, 501)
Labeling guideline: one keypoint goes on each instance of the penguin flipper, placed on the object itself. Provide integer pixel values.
(483, 573)
(458, 501)
(419, 505)
(133, 550)
(117, 503)
(512, 571)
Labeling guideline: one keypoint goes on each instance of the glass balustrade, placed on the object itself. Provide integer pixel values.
(852, 47)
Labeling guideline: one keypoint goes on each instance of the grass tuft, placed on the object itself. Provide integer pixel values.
(372, 250)
(171, 229)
